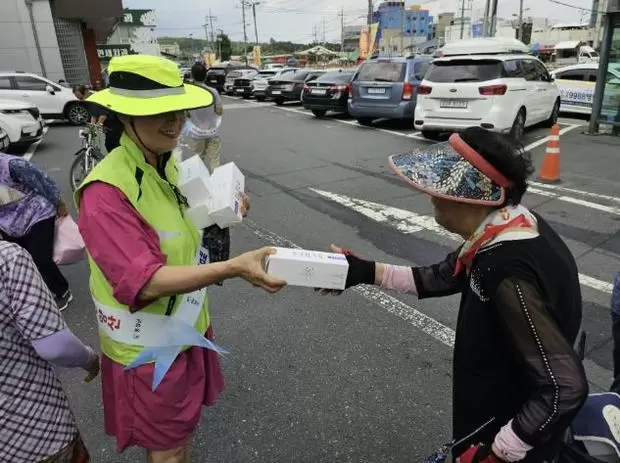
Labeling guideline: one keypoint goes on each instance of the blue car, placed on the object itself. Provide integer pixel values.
(385, 88)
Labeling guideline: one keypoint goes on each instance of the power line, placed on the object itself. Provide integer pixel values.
(575, 6)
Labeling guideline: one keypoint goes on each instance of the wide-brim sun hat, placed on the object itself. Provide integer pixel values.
(144, 85)
(452, 170)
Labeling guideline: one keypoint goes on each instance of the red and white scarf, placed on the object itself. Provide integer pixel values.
(506, 224)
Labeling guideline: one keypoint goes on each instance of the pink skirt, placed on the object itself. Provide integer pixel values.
(166, 418)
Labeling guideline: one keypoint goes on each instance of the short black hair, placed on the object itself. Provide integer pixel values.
(199, 72)
(505, 154)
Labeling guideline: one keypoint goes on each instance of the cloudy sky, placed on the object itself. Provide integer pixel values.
(296, 20)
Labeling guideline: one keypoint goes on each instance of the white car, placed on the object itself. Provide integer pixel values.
(505, 93)
(578, 82)
(22, 123)
(52, 99)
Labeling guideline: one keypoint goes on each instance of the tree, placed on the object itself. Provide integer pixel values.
(226, 46)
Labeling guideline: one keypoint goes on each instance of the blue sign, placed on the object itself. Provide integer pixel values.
(477, 29)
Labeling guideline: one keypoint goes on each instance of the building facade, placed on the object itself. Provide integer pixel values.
(136, 30)
(410, 22)
(351, 38)
(56, 39)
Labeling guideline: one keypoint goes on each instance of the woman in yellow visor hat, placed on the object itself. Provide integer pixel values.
(148, 272)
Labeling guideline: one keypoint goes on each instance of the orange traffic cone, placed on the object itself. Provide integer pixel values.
(550, 169)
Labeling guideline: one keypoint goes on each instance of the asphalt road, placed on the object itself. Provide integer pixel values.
(360, 378)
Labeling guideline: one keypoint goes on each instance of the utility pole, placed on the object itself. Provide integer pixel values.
(462, 19)
(402, 30)
(209, 19)
(254, 5)
(370, 10)
(219, 42)
(493, 19)
(323, 36)
(245, 33)
(341, 14)
(520, 25)
(485, 23)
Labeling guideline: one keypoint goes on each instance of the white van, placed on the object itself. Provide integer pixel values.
(574, 52)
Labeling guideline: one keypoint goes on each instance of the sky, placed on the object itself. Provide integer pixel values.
(297, 20)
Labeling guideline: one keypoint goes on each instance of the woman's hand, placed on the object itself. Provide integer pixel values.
(61, 209)
(245, 203)
(93, 369)
(249, 266)
(360, 272)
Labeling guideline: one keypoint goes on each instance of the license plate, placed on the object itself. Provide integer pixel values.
(212, 80)
(318, 91)
(460, 104)
(376, 91)
(239, 90)
(276, 92)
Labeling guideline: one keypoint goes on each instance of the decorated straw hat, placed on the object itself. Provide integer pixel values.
(144, 85)
(452, 170)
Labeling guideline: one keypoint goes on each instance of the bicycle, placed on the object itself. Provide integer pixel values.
(87, 156)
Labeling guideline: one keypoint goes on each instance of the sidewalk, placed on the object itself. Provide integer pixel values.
(587, 162)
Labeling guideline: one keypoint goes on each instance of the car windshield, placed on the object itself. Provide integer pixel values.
(336, 77)
(382, 72)
(464, 70)
(266, 74)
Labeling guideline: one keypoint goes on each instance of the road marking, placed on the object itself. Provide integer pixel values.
(241, 106)
(544, 140)
(597, 375)
(576, 191)
(409, 222)
(31, 150)
(580, 202)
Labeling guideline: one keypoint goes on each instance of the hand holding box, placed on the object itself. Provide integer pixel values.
(312, 269)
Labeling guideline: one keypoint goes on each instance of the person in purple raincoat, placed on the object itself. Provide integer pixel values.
(29, 204)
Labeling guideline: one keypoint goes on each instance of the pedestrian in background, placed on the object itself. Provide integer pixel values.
(29, 205)
(200, 136)
(37, 423)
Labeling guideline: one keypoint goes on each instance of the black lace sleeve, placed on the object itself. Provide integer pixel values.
(438, 280)
(555, 375)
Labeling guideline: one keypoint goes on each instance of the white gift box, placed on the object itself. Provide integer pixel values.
(227, 182)
(312, 269)
(199, 215)
(195, 181)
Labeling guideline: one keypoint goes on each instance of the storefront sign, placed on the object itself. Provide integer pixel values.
(106, 52)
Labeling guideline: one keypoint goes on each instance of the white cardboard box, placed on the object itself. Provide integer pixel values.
(227, 182)
(313, 269)
(195, 181)
(200, 217)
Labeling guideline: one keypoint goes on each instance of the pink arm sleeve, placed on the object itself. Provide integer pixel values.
(399, 279)
(509, 445)
(124, 246)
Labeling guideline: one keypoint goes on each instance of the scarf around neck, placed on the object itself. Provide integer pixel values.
(510, 223)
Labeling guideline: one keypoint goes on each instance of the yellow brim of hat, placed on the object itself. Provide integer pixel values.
(193, 97)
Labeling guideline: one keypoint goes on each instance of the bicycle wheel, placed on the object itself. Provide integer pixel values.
(78, 170)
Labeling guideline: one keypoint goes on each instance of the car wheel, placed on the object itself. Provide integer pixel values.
(518, 126)
(279, 102)
(77, 113)
(555, 114)
(430, 135)
(319, 112)
(365, 121)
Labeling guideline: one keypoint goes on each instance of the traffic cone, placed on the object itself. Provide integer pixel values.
(550, 169)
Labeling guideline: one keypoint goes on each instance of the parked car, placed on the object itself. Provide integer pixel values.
(216, 76)
(577, 84)
(4, 141)
(330, 92)
(260, 84)
(53, 100)
(285, 88)
(229, 84)
(386, 88)
(22, 123)
(244, 85)
(504, 92)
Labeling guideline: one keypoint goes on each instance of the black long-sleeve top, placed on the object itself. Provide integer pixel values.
(519, 316)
